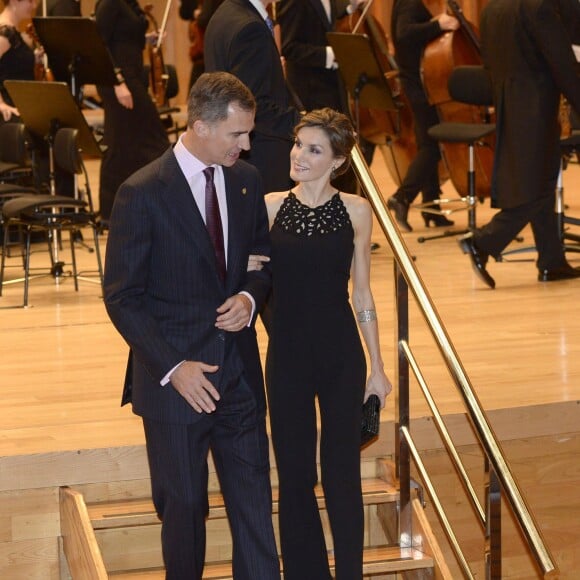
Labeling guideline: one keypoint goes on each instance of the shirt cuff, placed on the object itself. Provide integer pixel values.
(167, 377)
(330, 60)
(251, 298)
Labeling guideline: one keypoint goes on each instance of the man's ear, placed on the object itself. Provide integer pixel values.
(200, 128)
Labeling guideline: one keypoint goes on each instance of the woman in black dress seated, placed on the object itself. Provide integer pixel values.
(320, 238)
(133, 133)
(17, 58)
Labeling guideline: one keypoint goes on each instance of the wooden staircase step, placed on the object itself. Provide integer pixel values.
(138, 512)
(378, 560)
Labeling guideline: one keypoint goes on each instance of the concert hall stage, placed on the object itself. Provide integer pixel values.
(63, 366)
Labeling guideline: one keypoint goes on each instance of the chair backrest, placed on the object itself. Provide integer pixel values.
(471, 84)
(14, 144)
(172, 87)
(67, 154)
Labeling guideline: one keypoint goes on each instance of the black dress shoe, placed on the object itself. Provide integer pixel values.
(565, 272)
(478, 259)
(401, 209)
(439, 220)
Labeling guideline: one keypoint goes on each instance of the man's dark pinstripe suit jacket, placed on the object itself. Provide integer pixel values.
(162, 287)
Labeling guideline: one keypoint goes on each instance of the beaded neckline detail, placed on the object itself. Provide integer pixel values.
(300, 219)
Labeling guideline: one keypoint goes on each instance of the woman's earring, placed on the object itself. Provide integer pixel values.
(333, 172)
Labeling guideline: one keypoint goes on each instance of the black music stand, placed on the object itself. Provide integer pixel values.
(44, 108)
(76, 52)
(361, 72)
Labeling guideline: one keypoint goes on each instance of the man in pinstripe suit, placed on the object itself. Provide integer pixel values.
(194, 372)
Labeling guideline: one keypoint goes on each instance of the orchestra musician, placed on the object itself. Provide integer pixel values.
(21, 59)
(17, 55)
(526, 46)
(133, 132)
(413, 28)
(239, 40)
(311, 67)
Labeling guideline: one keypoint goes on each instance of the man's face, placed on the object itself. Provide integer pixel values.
(222, 142)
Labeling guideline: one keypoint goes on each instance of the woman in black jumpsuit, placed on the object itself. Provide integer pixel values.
(319, 237)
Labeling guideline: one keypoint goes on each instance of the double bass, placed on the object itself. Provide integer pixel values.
(440, 57)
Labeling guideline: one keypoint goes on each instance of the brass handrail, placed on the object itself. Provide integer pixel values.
(437, 504)
(476, 414)
(445, 436)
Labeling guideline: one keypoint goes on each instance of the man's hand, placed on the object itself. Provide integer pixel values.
(190, 382)
(234, 314)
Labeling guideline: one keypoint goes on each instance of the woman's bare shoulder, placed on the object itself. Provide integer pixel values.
(358, 207)
(275, 199)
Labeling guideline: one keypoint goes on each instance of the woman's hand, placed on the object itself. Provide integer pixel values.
(378, 384)
(152, 38)
(7, 111)
(124, 95)
(256, 262)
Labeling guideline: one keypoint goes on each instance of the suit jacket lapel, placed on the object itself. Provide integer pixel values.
(183, 209)
(319, 9)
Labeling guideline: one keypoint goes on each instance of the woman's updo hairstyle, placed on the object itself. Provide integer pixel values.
(337, 128)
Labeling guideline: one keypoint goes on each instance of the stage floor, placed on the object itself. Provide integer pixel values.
(63, 363)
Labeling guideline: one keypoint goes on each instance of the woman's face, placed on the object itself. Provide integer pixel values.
(312, 157)
(24, 9)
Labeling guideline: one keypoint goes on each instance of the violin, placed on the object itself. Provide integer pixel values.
(158, 74)
(41, 70)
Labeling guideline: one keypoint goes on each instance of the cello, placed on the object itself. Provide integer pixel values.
(440, 57)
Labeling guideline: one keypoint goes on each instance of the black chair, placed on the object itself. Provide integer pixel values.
(470, 85)
(166, 111)
(16, 168)
(569, 146)
(53, 214)
(15, 158)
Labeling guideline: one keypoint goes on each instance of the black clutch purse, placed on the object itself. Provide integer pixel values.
(370, 419)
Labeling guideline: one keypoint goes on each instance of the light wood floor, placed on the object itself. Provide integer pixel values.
(63, 362)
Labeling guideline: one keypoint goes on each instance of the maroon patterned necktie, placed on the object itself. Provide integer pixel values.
(213, 221)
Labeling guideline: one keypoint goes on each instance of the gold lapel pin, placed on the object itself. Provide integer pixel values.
(244, 191)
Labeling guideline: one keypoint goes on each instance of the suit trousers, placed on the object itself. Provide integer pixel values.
(423, 173)
(294, 434)
(177, 453)
(505, 225)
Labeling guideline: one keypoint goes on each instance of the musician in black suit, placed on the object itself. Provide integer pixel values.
(238, 40)
(311, 68)
(526, 45)
(413, 28)
(187, 312)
